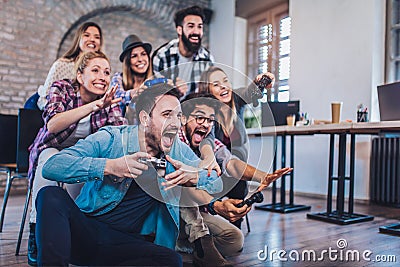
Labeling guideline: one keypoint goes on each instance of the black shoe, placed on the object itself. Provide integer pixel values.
(207, 255)
(32, 249)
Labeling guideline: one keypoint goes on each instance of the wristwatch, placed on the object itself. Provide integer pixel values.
(210, 206)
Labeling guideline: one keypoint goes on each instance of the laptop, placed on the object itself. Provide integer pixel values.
(389, 97)
(275, 113)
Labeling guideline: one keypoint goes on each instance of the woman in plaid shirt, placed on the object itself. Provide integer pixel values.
(74, 110)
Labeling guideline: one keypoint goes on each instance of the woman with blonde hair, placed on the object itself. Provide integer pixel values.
(76, 109)
(88, 37)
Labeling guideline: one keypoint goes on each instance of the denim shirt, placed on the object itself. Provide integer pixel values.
(85, 163)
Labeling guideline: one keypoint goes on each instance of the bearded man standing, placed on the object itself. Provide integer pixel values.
(184, 59)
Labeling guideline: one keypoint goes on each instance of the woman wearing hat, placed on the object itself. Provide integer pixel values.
(136, 68)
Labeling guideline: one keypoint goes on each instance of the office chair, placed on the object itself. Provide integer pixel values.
(29, 123)
(8, 146)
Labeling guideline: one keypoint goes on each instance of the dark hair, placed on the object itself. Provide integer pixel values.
(128, 75)
(181, 14)
(75, 50)
(192, 100)
(147, 99)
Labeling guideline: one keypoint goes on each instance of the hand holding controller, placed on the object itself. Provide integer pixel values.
(255, 198)
(258, 91)
(155, 162)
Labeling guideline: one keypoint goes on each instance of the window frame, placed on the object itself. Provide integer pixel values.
(270, 16)
(391, 69)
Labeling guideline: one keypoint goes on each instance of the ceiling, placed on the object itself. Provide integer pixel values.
(246, 8)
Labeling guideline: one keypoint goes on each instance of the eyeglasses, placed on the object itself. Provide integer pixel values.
(201, 119)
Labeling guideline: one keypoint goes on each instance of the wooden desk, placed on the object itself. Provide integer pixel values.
(342, 130)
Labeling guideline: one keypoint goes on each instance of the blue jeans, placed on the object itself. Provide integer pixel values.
(66, 235)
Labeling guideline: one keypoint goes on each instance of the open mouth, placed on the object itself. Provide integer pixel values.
(92, 46)
(100, 86)
(198, 135)
(141, 66)
(194, 38)
(168, 138)
(225, 93)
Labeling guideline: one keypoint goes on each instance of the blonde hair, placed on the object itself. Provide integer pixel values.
(204, 87)
(83, 61)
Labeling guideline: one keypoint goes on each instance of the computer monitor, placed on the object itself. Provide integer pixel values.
(275, 113)
(388, 97)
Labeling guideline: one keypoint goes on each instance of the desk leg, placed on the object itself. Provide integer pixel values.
(341, 175)
(330, 173)
(283, 207)
(340, 216)
(392, 229)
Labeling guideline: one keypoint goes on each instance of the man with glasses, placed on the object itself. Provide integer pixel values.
(198, 118)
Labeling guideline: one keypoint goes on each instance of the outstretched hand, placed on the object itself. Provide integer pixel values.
(183, 174)
(272, 177)
(108, 99)
(210, 165)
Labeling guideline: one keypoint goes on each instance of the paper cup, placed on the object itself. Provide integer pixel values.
(290, 119)
(336, 111)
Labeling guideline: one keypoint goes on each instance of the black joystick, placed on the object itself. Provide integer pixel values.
(258, 91)
(254, 198)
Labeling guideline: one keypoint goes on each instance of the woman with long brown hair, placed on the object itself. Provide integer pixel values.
(88, 37)
(136, 68)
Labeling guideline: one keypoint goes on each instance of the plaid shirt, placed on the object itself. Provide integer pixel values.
(166, 58)
(62, 97)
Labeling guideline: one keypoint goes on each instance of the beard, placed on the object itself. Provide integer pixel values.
(189, 138)
(151, 141)
(192, 47)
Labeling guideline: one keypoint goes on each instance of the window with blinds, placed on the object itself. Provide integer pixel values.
(269, 49)
(393, 41)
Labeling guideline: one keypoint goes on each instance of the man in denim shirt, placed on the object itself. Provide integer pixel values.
(123, 199)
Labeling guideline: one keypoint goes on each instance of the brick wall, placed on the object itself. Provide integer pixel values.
(34, 33)
(31, 34)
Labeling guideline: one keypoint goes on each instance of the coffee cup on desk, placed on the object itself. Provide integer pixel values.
(291, 119)
(336, 111)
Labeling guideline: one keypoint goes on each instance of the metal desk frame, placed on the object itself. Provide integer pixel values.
(340, 215)
(283, 206)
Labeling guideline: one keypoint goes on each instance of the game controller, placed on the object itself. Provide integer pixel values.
(255, 198)
(258, 92)
(150, 83)
(155, 162)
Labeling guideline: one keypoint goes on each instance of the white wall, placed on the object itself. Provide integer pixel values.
(222, 29)
(337, 53)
